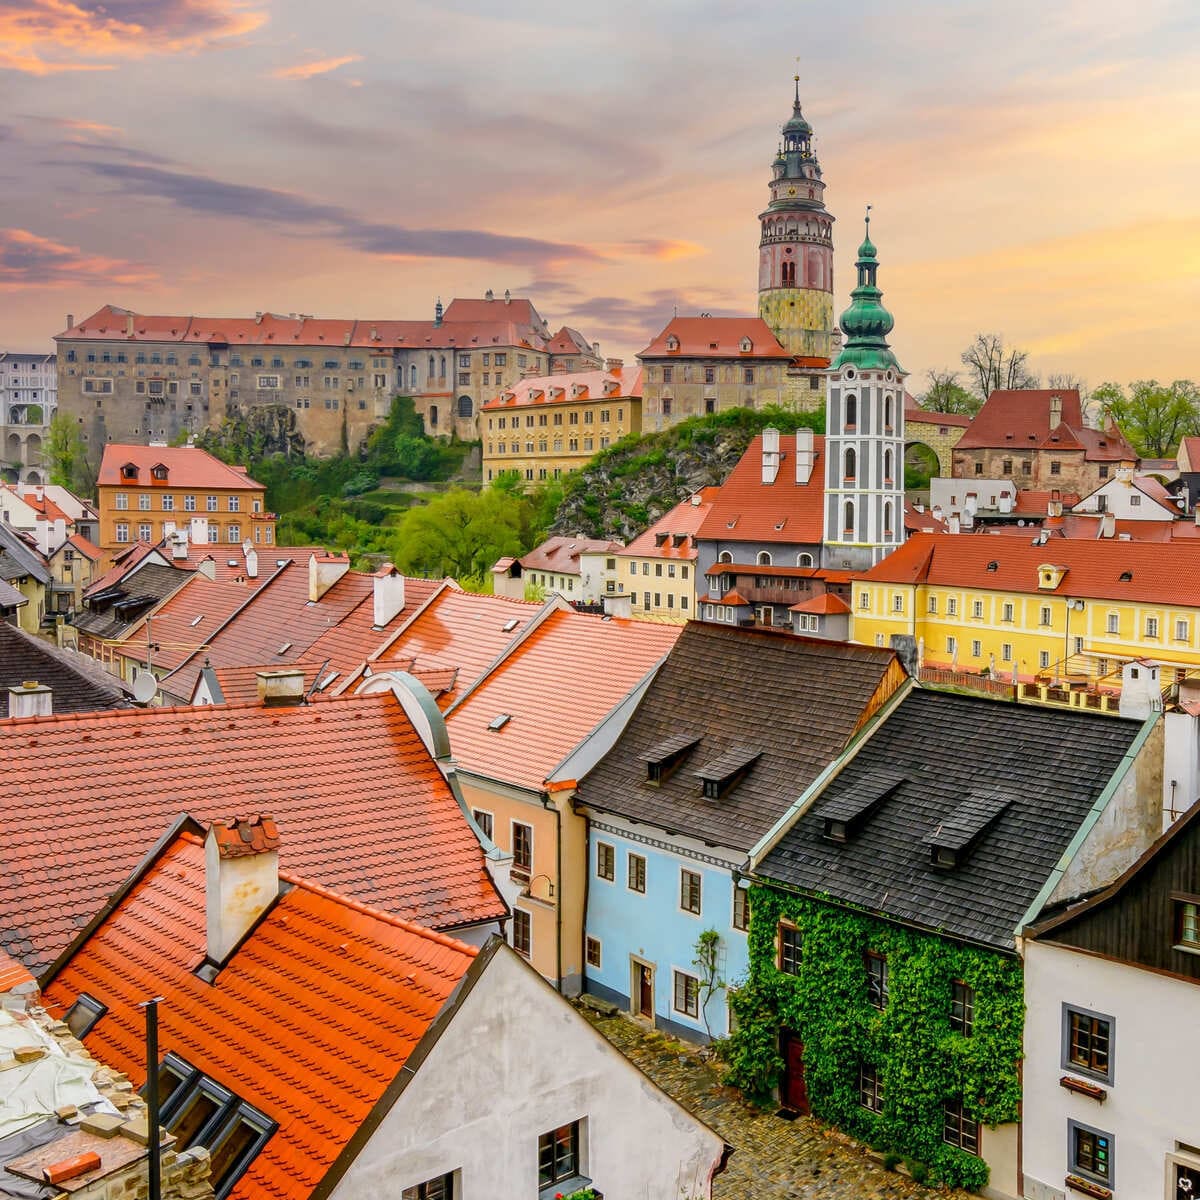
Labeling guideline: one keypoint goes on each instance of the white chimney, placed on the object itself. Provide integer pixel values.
(42, 527)
(953, 523)
(129, 325)
(31, 699)
(207, 567)
(279, 688)
(241, 879)
(770, 454)
(804, 455)
(323, 572)
(1108, 524)
(1055, 412)
(179, 544)
(199, 531)
(389, 595)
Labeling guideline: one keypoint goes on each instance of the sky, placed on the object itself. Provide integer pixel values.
(1032, 166)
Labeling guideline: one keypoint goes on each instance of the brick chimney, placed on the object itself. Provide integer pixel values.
(241, 879)
(614, 364)
(770, 454)
(31, 699)
(279, 688)
(804, 455)
(1055, 411)
(388, 599)
(324, 570)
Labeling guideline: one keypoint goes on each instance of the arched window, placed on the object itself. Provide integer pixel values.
(804, 560)
(848, 519)
(725, 557)
(432, 367)
(433, 415)
(887, 519)
(887, 466)
(442, 372)
(764, 558)
(887, 413)
(851, 460)
(851, 412)
(466, 407)
(412, 377)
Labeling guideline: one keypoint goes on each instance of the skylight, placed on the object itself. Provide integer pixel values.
(509, 625)
(499, 722)
(284, 648)
(196, 620)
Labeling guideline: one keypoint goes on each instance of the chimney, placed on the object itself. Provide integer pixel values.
(129, 325)
(953, 523)
(323, 572)
(804, 455)
(179, 544)
(199, 533)
(507, 296)
(613, 364)
(1108, 524)
(31, 699)
(596, 349)
(277, 689)
(770, 454)
(42, 528)
(70, 320)
(1054, 506)
(437, 314)
(241, 879)
(251, 563)
(389, 595)
(207, 567)
(1055, 411)
(489, 295)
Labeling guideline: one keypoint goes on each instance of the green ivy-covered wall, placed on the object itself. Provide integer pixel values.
(921, 1061)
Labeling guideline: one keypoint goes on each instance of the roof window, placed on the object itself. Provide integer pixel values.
(993, 565)
(159, 471)
(284, 648)
(845, 813)
(951, 843)
(726, 772)
(1126, 577)
(196, 620)
(679, 539)
(499, 722)
(509, 625)
(82, 1016)
(663, 760)
(660, 539)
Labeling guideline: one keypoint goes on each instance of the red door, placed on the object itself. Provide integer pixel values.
(792, 1091)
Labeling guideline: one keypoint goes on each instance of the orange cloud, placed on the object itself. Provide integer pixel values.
(29, 261)
(660, 249)
(29, 29)
(320, 67)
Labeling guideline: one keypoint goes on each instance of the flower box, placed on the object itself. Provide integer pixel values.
(1083, 1087)
(1078, 1184)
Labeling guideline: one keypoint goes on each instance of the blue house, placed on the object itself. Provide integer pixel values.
(732, 729)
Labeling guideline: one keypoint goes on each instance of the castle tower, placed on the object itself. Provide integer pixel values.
(795, 254)
(864, 438)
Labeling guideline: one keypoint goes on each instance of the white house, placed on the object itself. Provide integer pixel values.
(1112, 989)
(1131, 497)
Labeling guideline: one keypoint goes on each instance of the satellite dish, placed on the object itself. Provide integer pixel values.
(145, 686)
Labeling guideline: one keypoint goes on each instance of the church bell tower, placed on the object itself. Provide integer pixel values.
(795, 254)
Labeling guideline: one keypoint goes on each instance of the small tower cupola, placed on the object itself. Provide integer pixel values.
(866, 323)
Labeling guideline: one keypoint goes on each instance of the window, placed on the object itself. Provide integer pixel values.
(851, 412)
(668, 374)
(234, 533)
(441, 1188)
(214, 532)
(864, 600)
(790, 947)
(145, 531)
(1187, 924)
(1135, 501)
(687, 994)
(522, 932)
(870, 1088)
(122, 501)
(1152, 627)
(958, 1129)
(522, 848)
(1181, 631)
(1056, 468)
(1087, 1043)
(143, 503)
(976, 649)
(168, 503)
(962, 1008)
(1006, 652)
(952, 607)
(558, 1155)
(189, 504)
(82, 1016)
(268, 383)
(851, 465)
(952, 645)
(710, 374)
(1044, 615)
(1043, 659)
(210, 503)
(741, 908)
(1114, 623)
(977, 609)
(877, 980)
(485, 821)
(635, 873)
(1090, 1153)
(689, 891)
(1007, 613)
(592, 950)
(898, 603)
(605, 861)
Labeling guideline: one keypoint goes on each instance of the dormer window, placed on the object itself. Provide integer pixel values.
(672, 344)
(159, 472)
(660, 539)
(951, 843)
(663, 760)
(724, 773)
(746, 345)
(845, 813)
(129, 471)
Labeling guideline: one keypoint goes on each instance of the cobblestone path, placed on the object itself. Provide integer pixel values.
(773, 1159)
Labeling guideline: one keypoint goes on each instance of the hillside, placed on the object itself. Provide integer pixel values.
(629, 486)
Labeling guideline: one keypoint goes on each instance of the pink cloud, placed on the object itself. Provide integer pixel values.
(28, 261)
(320, 67)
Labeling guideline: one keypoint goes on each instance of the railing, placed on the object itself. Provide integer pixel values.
(1038, 691)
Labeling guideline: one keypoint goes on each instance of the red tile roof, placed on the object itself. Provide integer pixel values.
(914, 414)
(827, 603)
(1188, 456)
(569, 341)
(684, 520)
(310, 1020)
(365, 808)
(514, 309)
(748, 510)
(239, 685)
(621, 383)
(716, 337)
(562, 553)
(12, 974)
(1019, 418)
(922, 522)
(1159, 574)
(86, 548)
(1034, 503)
(45, 506)
(123, 564)
(229, 562)
(187, 466)
(556, 687)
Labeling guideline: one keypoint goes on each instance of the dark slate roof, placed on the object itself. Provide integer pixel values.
(151, 583)
(960, 757)
(739, 691)
(79, 685)
(18, 558)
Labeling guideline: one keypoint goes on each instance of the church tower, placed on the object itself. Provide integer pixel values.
(864, 431)
(795, 254)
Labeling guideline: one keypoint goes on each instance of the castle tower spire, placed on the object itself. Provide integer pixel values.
(795, 255)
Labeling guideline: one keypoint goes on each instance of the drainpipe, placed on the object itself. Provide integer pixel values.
(587, 892)
(548, 804)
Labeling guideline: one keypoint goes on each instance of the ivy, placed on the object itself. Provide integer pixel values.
(920, 1060)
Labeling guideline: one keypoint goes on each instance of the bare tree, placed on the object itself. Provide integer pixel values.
(993, 366)
(1068, 381)
(946, 394)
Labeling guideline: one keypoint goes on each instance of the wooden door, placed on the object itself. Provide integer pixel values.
(645, 990)
(792, 1090)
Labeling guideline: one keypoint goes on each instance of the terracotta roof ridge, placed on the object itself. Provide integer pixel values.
(386, 918)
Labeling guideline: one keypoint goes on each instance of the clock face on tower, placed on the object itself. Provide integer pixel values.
(791, 191)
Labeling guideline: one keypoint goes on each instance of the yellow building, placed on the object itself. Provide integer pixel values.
(549, 426)
(146, 493)
(657, 570)
(1058, 609)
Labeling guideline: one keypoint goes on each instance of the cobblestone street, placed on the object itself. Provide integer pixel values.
(773, 1159)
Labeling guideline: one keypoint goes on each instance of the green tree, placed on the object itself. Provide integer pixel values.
(993, 366)
(1152, 415)
(65, 454)
(945, 394)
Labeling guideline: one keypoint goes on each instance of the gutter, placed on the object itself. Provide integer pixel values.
(1089, 823)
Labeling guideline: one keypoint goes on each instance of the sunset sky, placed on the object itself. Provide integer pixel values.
(1033, 166)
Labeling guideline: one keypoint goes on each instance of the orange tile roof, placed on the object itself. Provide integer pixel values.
(310, 1020)
(1160, 574)
(556, 686)
(516, 309)
(562, 553)
(569, 341)
(922, 522)
(239, 685)
(12, 974)
(86, 548)
(827, 603)
(1034, 503)
(1019, 418)
(684, 520)
(123, 564)
(748, 510)
(229, 562)
(187, 466)
(45, 506)
(914, 414)
(1189, 450)
(716, 337)
(572, 388)
(365, 808)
